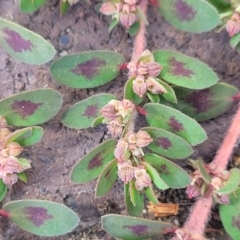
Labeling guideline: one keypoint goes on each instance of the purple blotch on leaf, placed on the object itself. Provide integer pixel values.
(184, 12)
(16, 42)
(200, 100)
(236, 221)
(178, 68)
(95, 162)
(138, 229)
(175, 125)
(91, 111)
(37, 215)
(163, 142)
(163, 169)
(25, 108)
(90, 68)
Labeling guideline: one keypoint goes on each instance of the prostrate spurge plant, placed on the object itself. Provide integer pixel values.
(164, 76)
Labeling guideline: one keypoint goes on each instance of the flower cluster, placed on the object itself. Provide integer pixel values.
(128, 152)
(233, 24)
(145, 72)
(10, 165)
(199, 187)
(116, 115)
(123, 10)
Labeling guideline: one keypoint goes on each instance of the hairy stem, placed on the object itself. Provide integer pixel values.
(140, 39)
(201, 210)
(4, 213)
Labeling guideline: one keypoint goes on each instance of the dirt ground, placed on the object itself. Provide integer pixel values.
(53, 158)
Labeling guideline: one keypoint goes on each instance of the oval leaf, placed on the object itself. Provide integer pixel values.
(168, 144)
(31, 107)
(190, 16)
(130, 94)
(151, 195)
(205, 104)
(132, 228)
(230, 216)
(87, 69)
(182, 70)
(172, 120)
(82, 114)
(24, 45)
(170, 94)
(107, 179)
(64, 6)
(91, 165)
(133, 209)
(155, 177)
(3, 190)
(173, 175)
(27, 6)
(204, 174)
(232, 183)
(153, 97)
(40, 217)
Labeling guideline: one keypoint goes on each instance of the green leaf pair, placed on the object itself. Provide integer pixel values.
(40, 217)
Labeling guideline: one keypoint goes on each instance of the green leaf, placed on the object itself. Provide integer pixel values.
(87, 69)
(161, 116)
(221, 5)
(64, 6)
(133, 210)
(190, 16)
(206, 177)
(232, 183)
(31, 107)
(151, 195)
(30, 6)
(25, 163)
(230, 216)
(153, 97)
(18, 135)
(106, 179)
(113, 24)
(3, 190)
(133, 30)
(23, 177)
(182, 70)
(82, 114)
(170, 95)
(168, 144)
(173, 175)
(36, 136)
(40, 217)
(130, 94)
(132, 228)
(234, 41)
(134, 193)
(155, 177)
(205, 104)
(91, 165)
(97, 121)
(24, 45)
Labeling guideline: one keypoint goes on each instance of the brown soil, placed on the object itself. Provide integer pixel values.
(53, 158)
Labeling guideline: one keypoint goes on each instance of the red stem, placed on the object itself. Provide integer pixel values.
(201, 210)
(4, 213)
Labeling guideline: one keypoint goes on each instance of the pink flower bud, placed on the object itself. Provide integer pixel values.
(115, 128)
(154, 87)
(223, 199)
(126, 171)
(109, 111)
(126, 8)
(13, 149)
(193, 191)
(233, 24)
(3, 121)
(143, 139)
(9, 165)
(142, 179)
(10, 179)
(132, 138)
(139, 86)
(217, 183)
(4, 132)
(146, 57)
(131, 2)
(128, 19)
(132, 67)
(126, 107)
(108, 8)
(135, 150)
(153, 69)
(142, 68)
(121, 151)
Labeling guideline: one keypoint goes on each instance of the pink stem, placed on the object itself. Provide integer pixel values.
(140, 40)
(4, 213)
(201, 210)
